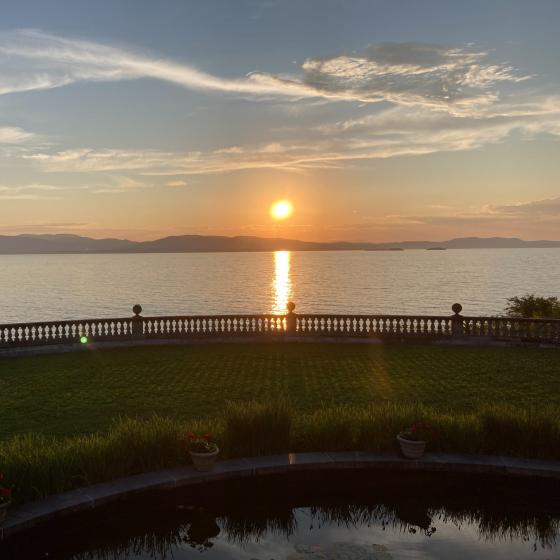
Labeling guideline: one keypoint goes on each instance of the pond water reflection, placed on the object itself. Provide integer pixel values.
(336, 516)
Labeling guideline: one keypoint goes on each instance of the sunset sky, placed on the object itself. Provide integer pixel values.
(378, 120)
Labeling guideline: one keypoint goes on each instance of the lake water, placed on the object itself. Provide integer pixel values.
(52, 287)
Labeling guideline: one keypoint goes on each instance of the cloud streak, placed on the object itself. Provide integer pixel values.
(535, 219)
(14, 135)
(33, 61)
(33, 191)
(399, 131)
(434, 76)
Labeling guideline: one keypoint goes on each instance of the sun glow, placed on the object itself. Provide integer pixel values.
(281, 209)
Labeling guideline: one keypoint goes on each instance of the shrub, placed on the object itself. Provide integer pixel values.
(533, 306)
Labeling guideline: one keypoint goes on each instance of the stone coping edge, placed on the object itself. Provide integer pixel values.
(87, 498)
(13, 352)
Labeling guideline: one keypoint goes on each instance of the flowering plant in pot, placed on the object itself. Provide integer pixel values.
(202, 449)
(413, 440)
(5, 498)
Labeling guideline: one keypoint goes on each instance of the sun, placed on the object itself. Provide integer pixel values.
(281, 209)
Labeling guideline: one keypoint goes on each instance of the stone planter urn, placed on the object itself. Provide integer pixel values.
(411, 449)
(204, 462)
(4, 510)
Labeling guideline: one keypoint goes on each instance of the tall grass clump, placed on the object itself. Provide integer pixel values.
(328, 429)
(378, 425)
(373, 428)
(40, 465)
(507, 430)
(257, 428)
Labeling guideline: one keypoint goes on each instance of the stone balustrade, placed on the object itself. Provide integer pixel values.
(292, 325)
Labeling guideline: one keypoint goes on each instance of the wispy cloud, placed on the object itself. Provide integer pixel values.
(434, 76)
(530, 220)
(115, 184)
(522, 214)
(441, 99)
(536, 209)
(14, 135)
(32, 191)
(440, 77)
(152, 162)
(399, 131)
(41, 227)
(110, 184)
(33, 60)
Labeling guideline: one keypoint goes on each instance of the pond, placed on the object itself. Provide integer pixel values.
(343, 515)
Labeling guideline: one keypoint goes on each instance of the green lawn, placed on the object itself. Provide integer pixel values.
(83, 392)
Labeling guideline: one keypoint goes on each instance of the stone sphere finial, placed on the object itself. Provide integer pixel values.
(291, 306)
(456, 308)
(137, 309)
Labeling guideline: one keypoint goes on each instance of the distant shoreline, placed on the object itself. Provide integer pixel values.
(202, 252)
(77, 245)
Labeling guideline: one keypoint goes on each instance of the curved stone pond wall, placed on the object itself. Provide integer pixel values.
(88, 498)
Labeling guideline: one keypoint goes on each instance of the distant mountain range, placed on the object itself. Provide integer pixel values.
(61, 243)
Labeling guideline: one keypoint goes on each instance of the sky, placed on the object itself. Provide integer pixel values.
(380, 120)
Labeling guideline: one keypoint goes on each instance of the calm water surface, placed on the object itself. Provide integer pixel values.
(366, 516)
(43, 287)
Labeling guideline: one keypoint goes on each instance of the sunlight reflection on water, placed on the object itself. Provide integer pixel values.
(282, 283)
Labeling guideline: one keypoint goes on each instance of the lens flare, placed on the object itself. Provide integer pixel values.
(84, 339)
(281, 209)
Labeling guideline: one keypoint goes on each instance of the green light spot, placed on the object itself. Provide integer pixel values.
(83, 339)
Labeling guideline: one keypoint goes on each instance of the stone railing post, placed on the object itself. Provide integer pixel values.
(291, 318)
(457, 320)
(137, 330)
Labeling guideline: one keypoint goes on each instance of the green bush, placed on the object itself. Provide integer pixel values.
(532, 306)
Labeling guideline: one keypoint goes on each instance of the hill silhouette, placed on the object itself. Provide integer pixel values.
(64, 243)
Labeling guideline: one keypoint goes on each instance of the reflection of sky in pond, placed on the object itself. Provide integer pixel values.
(314, 540)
